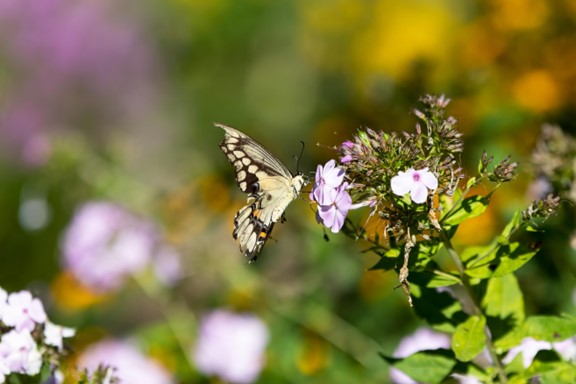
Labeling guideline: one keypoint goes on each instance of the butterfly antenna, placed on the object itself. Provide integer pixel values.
(299, 157)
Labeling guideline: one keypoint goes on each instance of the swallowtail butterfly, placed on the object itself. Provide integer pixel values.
(270, 186)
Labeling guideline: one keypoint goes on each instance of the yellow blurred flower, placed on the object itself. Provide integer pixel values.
(519, 14)
(403, 33)
(314, 355)
(537, 90)
(71, 295)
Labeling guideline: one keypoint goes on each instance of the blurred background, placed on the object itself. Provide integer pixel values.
(106, 130)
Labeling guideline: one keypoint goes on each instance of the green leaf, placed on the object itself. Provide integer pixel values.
(427, 273)
(504, 259)
(550, 328)
(510, 227)
(475, 252)
(558, 373)
(504, 299)
(468, 208)
(426, 366)
(469, 338)
(440, 309)
(387, 260)
(545, 328)
(548, 372)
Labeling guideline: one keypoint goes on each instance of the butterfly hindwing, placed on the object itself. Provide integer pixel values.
(270, 185)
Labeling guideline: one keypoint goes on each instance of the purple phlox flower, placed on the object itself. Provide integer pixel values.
(337, 204)
(131, 365)
(19, 353)
(422, 339)
(105, 244)
(231, 346)
(328, 178)
(23, 311)
(417, 182)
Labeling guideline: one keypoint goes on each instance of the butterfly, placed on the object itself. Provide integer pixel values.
(270, 186)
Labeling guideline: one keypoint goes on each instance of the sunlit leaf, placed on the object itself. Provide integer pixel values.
(504, 299)
(468, 208)
(512, 224)
(469, 338)
(504, 259)
(426, 366)
(550, 328)
(545, 328)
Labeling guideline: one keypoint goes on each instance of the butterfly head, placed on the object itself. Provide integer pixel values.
(298, 182)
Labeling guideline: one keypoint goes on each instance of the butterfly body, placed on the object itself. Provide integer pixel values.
(270, 186)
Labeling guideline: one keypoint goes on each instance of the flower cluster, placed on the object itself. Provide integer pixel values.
(231, 346)
(330, 192)
(106, 243)
(28, 338)
(376, 167)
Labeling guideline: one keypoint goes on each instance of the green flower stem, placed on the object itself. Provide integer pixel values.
(476, 309)
(171, 311)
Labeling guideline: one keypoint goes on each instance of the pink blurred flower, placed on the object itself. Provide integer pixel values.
(417, 182)
(20, 353)
(422, 339)
(58, 81)
(23, 311)
(105, 244)
(131, 365)
(231, 346)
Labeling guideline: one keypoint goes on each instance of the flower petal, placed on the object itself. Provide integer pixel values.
(419, 193)
(328, 214)
(429, 180)
(402, 183)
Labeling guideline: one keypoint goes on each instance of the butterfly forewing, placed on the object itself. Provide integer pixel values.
(270, 185)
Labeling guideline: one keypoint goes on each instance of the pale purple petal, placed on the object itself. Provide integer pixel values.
(318, 173)
(429, 180)
(402, 183)
(327, 214)
(346, 159)
(419, 193)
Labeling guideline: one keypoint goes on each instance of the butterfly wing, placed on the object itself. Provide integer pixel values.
(270, 185)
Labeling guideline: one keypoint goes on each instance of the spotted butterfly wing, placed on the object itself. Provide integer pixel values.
(270, 186)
